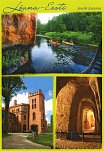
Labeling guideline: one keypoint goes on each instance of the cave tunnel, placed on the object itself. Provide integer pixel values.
(88, 120)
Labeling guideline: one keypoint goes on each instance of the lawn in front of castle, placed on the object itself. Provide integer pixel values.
(43, 138)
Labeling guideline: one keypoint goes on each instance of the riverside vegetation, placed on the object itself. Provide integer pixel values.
(80, 27)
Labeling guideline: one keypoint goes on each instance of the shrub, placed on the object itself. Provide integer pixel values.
(82, 37)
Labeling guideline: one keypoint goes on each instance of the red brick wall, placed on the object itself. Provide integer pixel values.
(20, 111)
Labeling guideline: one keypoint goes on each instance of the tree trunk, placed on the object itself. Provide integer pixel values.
(7, 100)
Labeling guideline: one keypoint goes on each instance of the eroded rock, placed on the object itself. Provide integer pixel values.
(18, 29)
(76, 95)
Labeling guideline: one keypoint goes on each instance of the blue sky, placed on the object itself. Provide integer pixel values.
(33, 84)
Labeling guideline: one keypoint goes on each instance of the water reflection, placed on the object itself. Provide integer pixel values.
(47, 58)
(14, 57)
(38, 42)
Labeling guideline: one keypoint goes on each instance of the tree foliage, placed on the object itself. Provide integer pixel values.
(10, 85)
(76, 22)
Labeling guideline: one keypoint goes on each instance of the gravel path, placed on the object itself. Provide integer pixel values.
(62, 144)
(19, 141)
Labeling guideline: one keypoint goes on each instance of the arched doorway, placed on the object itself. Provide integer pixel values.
(24, 128)
(88, 120)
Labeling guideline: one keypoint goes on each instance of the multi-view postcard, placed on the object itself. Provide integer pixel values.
(51, 75)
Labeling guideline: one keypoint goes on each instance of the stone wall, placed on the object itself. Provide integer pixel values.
(18, 29)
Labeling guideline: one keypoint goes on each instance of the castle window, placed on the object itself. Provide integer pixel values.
(24, 117)
(25, 109)
(13, 111)
(33, 103)
(17, 110)
(34, 116)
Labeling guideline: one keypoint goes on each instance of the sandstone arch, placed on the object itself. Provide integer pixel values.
(87, 103)
(76, 95)
(88, 120)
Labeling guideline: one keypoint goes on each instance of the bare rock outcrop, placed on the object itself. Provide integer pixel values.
(18, 29)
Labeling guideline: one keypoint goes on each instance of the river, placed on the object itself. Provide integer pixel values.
(46, 58)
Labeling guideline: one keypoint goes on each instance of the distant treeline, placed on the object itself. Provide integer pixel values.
(74, 22)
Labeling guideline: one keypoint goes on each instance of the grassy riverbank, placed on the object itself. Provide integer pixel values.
(79, 37)
(43, 36)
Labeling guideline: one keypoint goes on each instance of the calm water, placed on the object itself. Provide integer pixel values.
(48, 58)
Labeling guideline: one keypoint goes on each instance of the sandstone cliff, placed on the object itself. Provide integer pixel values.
(18, 29)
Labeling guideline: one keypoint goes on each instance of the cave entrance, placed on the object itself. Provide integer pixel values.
(88, 120)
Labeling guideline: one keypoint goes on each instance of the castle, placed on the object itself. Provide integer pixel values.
(27, 117)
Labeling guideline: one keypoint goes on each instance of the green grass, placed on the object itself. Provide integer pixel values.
(43, 36)
(44, 139)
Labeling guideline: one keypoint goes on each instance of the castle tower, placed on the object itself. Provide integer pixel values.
(37, 111)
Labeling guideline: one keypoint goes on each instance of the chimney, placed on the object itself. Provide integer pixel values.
(15, 102)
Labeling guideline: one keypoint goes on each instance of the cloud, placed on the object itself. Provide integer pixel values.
(21, 98)
(48, 105)
(48, 117)
(3, 105)
(48, 109)
(49, 93)
(44, 18)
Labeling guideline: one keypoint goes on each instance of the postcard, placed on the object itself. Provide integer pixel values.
(51, 74)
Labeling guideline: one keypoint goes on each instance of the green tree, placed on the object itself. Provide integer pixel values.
(90, 22)
(39, 27)
(50, 125)
(10, 85)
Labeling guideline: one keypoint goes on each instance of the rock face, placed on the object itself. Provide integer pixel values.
(75, 95)
(18, 29)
